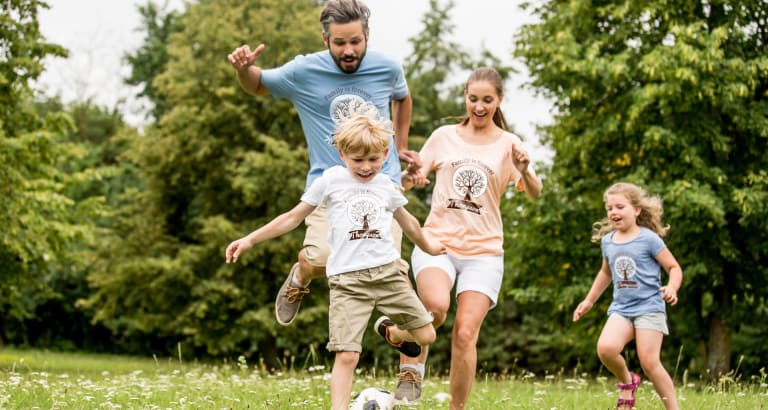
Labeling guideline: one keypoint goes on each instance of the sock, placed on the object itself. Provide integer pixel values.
(419, 367)
(295, 283)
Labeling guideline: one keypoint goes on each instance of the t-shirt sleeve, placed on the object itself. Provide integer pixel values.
(400, 86)
(428, 152)
(398, 200)
(655, 243)
(280, 81)
(315, 194)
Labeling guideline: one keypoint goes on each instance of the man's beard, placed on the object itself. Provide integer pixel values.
(339, 60)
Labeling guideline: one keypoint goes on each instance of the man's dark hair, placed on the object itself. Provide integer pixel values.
(344, 11)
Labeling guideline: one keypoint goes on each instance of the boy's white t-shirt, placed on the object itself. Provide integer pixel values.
(359, 219)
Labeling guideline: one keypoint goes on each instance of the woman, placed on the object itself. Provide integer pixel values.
(474, 163)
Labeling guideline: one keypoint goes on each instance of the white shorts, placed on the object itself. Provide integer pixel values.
(480, 273)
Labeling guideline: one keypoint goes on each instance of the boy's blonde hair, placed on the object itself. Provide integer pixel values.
(363, 131)
(651, 210)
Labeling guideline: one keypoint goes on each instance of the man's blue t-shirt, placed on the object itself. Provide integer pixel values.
(322, 93)
(636, 273)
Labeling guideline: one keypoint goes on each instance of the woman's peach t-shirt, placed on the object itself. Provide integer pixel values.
(469, 182)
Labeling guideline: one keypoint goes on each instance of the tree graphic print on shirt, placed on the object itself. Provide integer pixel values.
(343, 106)
(625, 268)
(363, 211)
(469, 181)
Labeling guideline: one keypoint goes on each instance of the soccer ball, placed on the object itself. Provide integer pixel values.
(373, 398)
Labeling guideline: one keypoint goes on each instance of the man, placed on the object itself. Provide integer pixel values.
(323, 86)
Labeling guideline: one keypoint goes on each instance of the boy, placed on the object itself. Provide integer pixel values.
(362, 266)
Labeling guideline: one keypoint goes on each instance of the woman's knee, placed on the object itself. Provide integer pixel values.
(438, 307)
(465, 336)
(439, 317)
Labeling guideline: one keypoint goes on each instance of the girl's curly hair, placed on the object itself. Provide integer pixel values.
(651, 210)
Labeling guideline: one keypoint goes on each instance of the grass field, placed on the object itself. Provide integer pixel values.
(33, 379)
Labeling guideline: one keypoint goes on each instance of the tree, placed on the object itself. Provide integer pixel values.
(675, 99)
(88, 156)
(40, 222)
(150, 59)
(437, 69)
(217, 164)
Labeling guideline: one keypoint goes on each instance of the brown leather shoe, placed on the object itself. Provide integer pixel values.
(408, 386)
(288, 300)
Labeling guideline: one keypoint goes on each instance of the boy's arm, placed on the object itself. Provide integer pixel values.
(411, 228)
(281, 224)
(599, 285)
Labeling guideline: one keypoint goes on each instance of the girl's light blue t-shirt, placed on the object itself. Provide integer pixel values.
(636, 273)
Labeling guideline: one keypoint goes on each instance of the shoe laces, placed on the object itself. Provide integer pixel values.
(408, 376)
(294, 295)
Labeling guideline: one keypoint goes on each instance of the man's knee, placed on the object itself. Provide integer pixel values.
(309, 270)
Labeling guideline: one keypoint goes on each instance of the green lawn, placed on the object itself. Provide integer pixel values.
(33, 379)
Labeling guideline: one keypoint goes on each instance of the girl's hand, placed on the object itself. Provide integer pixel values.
(583, 308)
(669, 295)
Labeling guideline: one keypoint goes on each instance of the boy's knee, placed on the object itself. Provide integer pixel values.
(347, 359)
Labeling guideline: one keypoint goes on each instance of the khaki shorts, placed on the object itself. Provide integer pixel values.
(316, 240)
(354, 295)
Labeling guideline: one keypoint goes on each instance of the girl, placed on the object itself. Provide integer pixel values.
(633, 253)
(475, 162)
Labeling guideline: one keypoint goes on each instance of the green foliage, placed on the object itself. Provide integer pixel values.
(437, 70)
(41, 222)
(46, 379)
(216, 165)
(150, 59)
(22, 51)
(674, 99)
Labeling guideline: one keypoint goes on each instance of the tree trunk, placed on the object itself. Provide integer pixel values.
(268, 350)
(718, 348)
